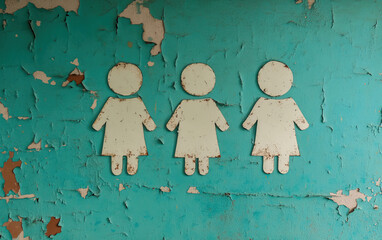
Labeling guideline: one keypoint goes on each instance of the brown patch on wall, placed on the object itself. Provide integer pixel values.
(14, 227)
(10, 182)
(76, 75)
(52, 228)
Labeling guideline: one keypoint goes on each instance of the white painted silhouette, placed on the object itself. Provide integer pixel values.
(124, 118)
(197, 119)
(275, 132)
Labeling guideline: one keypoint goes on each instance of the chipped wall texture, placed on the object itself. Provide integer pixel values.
(54, 61)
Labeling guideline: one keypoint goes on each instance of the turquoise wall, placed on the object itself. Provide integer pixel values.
(333, 50)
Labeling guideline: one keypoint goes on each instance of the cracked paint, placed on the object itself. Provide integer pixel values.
(153, 29)
(331, 48)
(68, 5)
(349, 201)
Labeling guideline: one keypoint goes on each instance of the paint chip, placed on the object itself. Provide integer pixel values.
(4, 111)
(94, 105)
(76, 75)
(378, 183)
(38, 23)
(35, 146)
(10, 182)
(13, 5)
(349, 201)
(75, 62)
(15, 228)
(40, 75)
(121, 187)
(150, 64)
(52, 228)
(165, 189)
(23, 118)
(153, 29)
(193, 190)
(83, 192)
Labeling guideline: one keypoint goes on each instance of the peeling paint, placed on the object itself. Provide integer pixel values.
(165, 189)
(153, 29)
(35, 146)
(4, 111)
(53, 228)
(83, 192)
(15, 228)
(76, 75)
(349, 201)
(10, 182)
(193, 190)
(40, 75)
(68, 5)
(121, 187)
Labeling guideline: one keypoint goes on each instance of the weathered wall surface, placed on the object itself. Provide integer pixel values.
(333, 49)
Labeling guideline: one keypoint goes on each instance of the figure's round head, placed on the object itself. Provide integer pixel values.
(125, 79)
(198, 79)
(275, 78)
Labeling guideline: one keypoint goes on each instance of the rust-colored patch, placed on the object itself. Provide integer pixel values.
(130, 44)
(52, 228)
(77, 78)
(15, 228)
(10, 182)
(76, 75)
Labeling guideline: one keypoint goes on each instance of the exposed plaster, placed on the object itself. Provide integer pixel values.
(40, 75)
(193, 190)
(35, 146)
(349, 201)
(4, 111)
(121, 187)
(153, 29)
(75, 62)
(15, 228)
(165, 189)
(68, 5)
(83, 192)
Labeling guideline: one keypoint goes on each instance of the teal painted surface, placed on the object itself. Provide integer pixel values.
(334, 52)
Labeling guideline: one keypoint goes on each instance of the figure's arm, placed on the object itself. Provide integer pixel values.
(175, 118)
(220, 122)
(102, 117)
(299, 118)
(252, 117)
(146, 118)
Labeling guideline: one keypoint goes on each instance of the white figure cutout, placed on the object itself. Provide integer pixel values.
(124, 118)
(275, 132)
(197, 119)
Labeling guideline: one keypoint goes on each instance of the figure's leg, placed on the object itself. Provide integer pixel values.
(132, 164)
(189, 165)
(268, 164)
(203, 165)
(283, 163)
(116, 164)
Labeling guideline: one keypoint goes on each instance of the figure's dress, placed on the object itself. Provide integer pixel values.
(275, 132)
(197, 131)
(124, 131)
